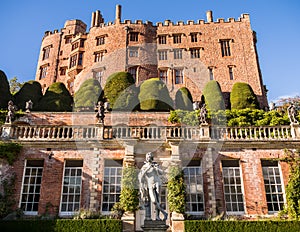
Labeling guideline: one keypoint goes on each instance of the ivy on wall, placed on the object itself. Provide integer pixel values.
(176, 190)
(9, 151)
(292, 208)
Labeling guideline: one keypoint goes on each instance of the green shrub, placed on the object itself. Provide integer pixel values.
(9, 151)
(57, 99)
(4, 90)
(241, 226)
(176, 190)
(31, 90)
(213, 96)
(129, 198)
(88, 95)
(115, 85)
(242, 97)
(128, 99)
(63, 225)
(154, 95)
(183, 99)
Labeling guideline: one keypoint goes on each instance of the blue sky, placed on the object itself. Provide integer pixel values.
(23, 24)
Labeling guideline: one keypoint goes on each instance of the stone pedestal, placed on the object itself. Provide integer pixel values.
(6, 131)
(204, 131)
(154, 226)
(128, 221)
(177, 222)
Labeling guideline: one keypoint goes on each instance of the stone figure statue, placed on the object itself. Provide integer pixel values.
(195, 105)
(100, 112)
(202, 115)
(150, 182)
(292, 114)
(11, 112)
(28, 106)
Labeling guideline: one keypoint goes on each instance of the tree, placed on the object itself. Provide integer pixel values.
(128, 99)
(115, 85)
(15, 85)
(89, 93)
(4, 90)
(31, 90)
(57, 99)
(242, 97)
(183, 99)
(213, 96)
(154, 95)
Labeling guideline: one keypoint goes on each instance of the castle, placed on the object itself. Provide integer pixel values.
(69, 161)
(180, 54)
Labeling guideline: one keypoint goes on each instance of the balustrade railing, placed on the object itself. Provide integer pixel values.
(39, 132)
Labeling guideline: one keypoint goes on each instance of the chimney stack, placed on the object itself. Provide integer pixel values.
(93, 19)
(209, 16)
(118, 13)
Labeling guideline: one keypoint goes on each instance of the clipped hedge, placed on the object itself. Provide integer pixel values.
(183, 99)
(241, 226)
(4, 90)
(63, 225)
(213, 96)
(242, 97)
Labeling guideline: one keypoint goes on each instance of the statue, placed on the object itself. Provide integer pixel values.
(11, 112)
(202, 115)
(100, 114)
(196, 106)
(28, 106)
(292, 114)
(150, 182)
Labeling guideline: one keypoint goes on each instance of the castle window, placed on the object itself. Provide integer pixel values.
(233, 190)
(80, 58)
(230, 70)
(225, 47)
(81, 43)
(177, 38)
(71, 189)
(177, 53)
(211, 73)
(133, 52)
(111, 188)
(31, 186)
(134, 36)
(194, 38)
(273, 185)
(194, 187)
(63, 71)
(195, 53)
(178, 76)
(46, 52)
(75, 45)
(100, 40)
(98, 56)
(163, 76)
(68, 39)
(98, 75)
(73, 61)
(43, 72)
(162, 39)
(163, 55)
(133, 72)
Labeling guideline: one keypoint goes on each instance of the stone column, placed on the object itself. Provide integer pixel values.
(204, 131)
(95, 170)
(128, 218)
(209, 171)
(100, 130)
(6, 131)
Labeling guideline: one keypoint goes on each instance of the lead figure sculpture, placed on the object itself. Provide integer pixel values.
(292, 114)
(150, 182)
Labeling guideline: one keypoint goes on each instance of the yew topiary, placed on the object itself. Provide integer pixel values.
(154, 96)
(183, 99)
(115, 85)
(31, 90)
(56, 99)
(87, 96)
(242, 97)
(213, 96)
(4, 90)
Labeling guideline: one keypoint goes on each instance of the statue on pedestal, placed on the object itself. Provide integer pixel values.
(292, 114)
(150, 182)
(28, 106)
(202, 115)
(11, 112)
(100, 112)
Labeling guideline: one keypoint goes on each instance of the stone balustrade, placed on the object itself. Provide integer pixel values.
(100, 132)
